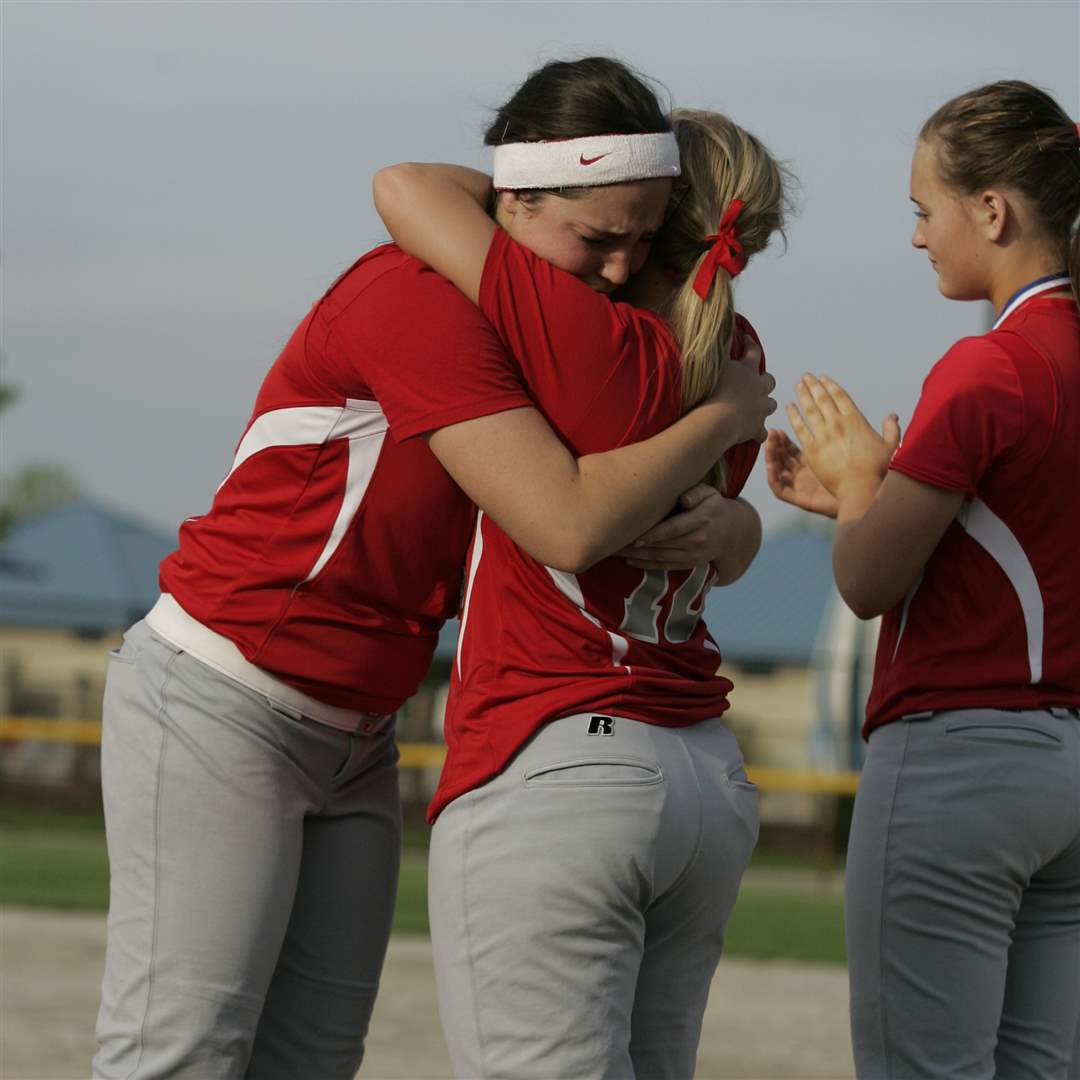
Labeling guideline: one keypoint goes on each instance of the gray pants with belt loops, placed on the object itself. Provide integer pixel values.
(963, 898)
(578, 901)
(253, 860)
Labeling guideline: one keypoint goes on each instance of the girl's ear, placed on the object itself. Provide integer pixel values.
(510, 202)
(995, 211)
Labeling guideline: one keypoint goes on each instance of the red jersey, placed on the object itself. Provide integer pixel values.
(536, 643)
(332, 554)
(994, 620)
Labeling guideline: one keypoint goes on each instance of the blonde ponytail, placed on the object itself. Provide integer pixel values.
(721, 162)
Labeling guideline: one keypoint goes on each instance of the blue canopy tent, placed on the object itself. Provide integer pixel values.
(82, 566)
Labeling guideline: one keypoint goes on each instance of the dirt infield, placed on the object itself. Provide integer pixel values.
(766, 1021)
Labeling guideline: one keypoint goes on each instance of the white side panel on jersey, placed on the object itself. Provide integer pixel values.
(992, 534)
(304, 426)
(365, 428)
(906, 610)
(474, 563)
(361, 422)
(570, 587)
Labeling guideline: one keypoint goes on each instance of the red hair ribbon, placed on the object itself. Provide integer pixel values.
(726, 251)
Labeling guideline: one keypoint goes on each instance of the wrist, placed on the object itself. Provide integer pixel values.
(854, 494)
(720, 421)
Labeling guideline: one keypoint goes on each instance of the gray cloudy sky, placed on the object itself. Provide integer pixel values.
(182, 180)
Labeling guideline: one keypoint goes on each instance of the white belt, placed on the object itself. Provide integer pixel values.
(170, 621)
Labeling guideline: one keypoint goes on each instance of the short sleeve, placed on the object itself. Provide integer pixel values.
(427, 353)
(570, 341)
(740, 459)
(970, 413)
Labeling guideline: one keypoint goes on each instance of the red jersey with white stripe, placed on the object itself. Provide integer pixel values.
(333, 553)
(536, 643)
(995, 619)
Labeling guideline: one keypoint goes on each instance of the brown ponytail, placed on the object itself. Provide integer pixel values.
(1015, 135)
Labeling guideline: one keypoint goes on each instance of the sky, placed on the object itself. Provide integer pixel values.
(181, 181)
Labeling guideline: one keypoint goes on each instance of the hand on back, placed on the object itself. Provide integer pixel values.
(707, 528)
(694, 534)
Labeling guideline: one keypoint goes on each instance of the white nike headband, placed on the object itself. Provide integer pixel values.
(599, 159)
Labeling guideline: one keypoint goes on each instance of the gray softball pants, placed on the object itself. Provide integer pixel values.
(578, 901)
(963, 898)
(254, 860)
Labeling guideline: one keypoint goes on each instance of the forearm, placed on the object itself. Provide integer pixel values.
(436, 213)
(855, 555)
(571, 513)
(625, 492)
(885, 533)
(743, 546)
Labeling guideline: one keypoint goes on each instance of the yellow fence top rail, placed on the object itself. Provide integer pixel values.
(49, 729)
(424, 755)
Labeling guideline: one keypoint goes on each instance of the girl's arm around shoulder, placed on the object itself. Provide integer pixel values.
(436, 213)
(570, 513)
(545, 316)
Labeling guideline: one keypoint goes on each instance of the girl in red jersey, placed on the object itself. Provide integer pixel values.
(248, 760)
(963, 895)
(593, 819)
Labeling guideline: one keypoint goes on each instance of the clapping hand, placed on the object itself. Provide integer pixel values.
(839, 449)
(791, 479)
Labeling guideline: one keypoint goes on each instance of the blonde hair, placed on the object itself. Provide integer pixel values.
(720, 162)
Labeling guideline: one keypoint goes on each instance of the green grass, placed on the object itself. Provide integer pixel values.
(56, 859)
(787, 924)
(765, 858)
(416, 835)
(410, 915)
(70, 819)
(55, 868)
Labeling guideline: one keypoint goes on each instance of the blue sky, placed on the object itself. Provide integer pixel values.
(182, 180)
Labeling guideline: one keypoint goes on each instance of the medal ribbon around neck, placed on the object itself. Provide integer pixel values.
(1032, 289)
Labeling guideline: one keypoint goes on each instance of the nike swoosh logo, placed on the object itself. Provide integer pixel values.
(592, 160)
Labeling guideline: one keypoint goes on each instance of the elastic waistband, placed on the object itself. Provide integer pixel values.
(170, 621)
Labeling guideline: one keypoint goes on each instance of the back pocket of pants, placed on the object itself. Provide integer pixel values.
(736, 777)
(595, 772)
(1003, 730)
